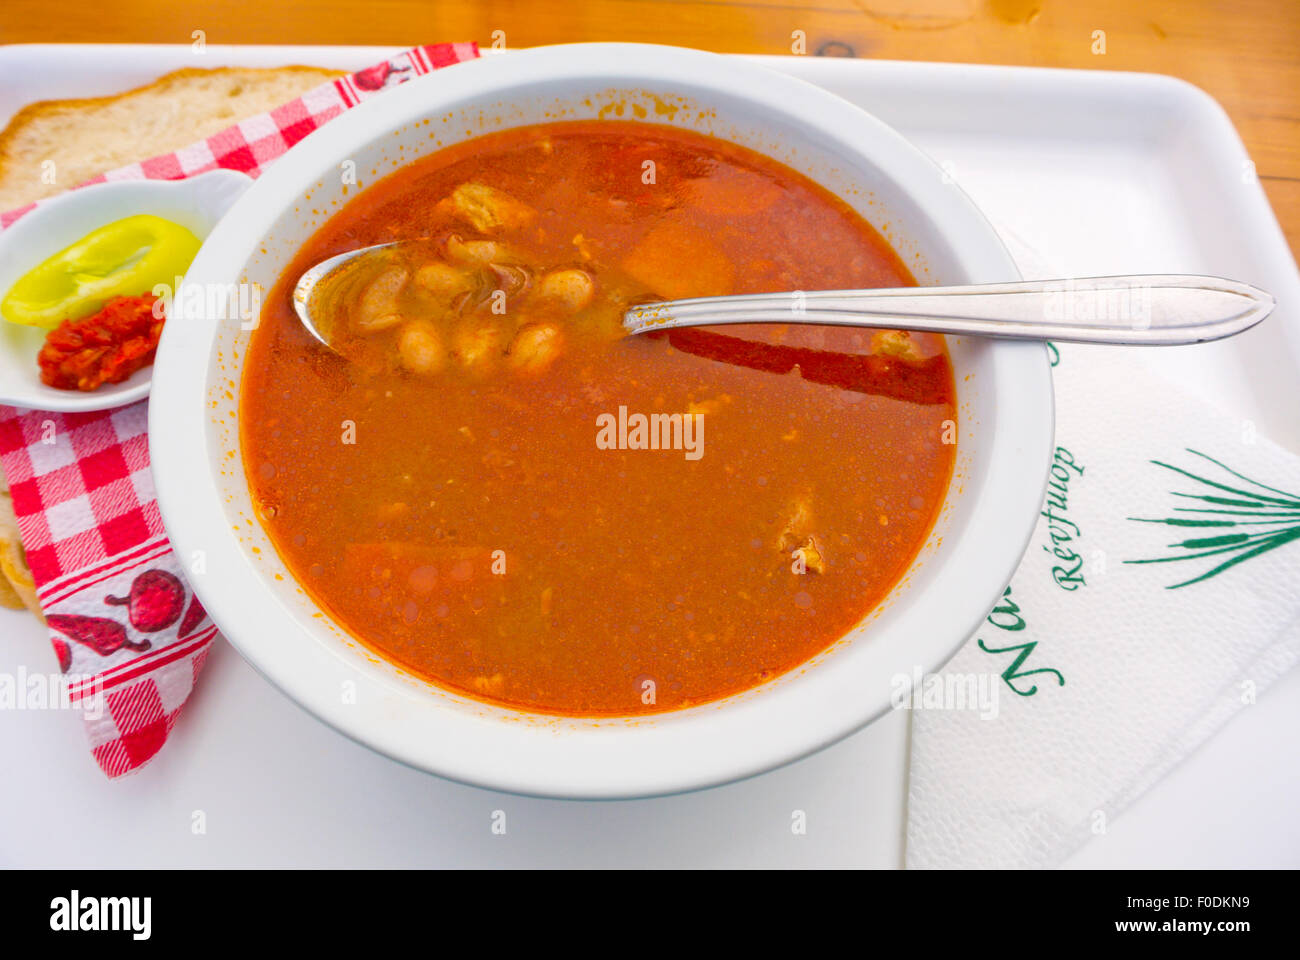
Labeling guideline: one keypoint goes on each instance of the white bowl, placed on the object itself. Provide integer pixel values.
(1005, 426)
(196, 204)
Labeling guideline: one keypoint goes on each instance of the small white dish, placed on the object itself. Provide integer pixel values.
(196, 203)
(1004, 398)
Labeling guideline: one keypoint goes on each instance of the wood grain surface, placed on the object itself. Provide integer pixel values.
(1246, 53)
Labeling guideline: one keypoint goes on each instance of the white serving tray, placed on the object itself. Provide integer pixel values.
(1093, 172)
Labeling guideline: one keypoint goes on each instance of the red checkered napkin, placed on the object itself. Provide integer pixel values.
(129, 633)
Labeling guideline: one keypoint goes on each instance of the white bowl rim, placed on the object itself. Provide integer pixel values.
(680, 751)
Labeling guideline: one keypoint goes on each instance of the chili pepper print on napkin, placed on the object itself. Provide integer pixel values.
(128, 632)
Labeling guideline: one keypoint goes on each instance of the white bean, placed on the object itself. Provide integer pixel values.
(419, 346)
(570, 290)
(535, 346)
(377, 308)
(442, 281)
(479, 345)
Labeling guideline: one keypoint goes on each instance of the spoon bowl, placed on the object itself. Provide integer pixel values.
(314, 285)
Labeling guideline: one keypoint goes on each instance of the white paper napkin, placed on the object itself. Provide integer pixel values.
(1106, 673)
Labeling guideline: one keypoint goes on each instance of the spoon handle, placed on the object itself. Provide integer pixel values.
(1151, 310)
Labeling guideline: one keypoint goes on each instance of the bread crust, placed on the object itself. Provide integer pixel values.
(30, 136)
(17, 589)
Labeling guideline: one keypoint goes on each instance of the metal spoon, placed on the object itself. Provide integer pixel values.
(1153, 310)
(315, 281)
(1148, 310)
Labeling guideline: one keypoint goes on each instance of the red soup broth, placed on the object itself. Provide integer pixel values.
(464, 487)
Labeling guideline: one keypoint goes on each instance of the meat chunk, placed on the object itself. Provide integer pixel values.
(810, 553)
(797, 538)
(896, 343)
(798, 525)
(488, 209)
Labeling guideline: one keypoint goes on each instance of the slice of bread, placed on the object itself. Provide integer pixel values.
(84, 138)
(16, 587)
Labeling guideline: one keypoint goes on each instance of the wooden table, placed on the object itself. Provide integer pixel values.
(1246, 53)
